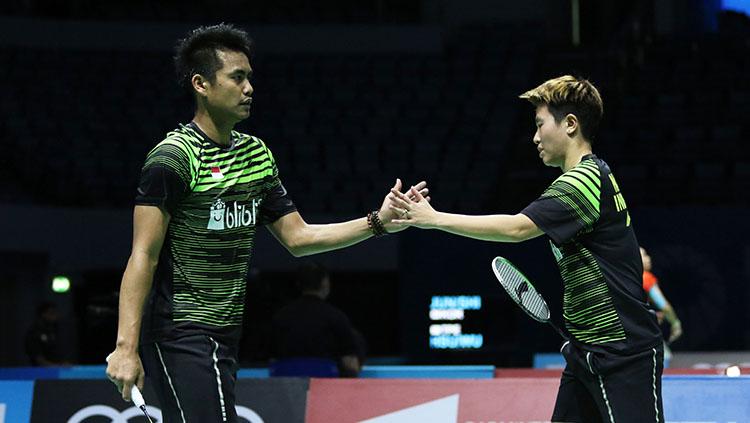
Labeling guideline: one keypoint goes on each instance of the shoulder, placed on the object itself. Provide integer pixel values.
(182, 142)
(253, 143)
(587, 170)
(586, 177)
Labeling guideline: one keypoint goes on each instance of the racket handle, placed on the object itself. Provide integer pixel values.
(135, 395)
(558, 330)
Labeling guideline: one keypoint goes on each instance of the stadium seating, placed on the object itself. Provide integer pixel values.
(349, 124)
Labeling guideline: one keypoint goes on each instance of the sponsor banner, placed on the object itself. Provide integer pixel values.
(517, 400)
(687, 399)
(75, 401)
(274, 399)
(706, 399)
(90, 401)
(15, 401)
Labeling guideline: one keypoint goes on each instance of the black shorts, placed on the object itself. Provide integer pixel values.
(194, 378)
(606, 388)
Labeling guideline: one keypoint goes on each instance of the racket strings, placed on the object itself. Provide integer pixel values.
(523, 293)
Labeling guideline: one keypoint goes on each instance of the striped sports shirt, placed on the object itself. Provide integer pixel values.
(216, 196)
(586, 218)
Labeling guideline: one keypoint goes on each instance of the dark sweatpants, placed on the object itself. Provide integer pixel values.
(194, 378)
(606, 388)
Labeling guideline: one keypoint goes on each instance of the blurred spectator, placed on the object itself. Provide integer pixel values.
(310, 327)
(659, 301)
(42, 345)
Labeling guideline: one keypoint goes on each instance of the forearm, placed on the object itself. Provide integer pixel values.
(498, 228)
(670, 314)
(136, 284)
(314, 239)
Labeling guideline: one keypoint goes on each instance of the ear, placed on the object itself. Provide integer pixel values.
(571, 124)
(200, 84)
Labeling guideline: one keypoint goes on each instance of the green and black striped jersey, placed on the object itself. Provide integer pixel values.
(584, 214)
(216, 197)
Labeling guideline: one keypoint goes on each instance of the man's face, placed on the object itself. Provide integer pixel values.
(551, 139)
(230, 94)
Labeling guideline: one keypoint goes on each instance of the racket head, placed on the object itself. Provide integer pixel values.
(520, 289)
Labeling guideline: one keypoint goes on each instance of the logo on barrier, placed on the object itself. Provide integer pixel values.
(443, 410)
(124, 416)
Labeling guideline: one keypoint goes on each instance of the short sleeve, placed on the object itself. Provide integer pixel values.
(165, 177)
(276, 204)
(649, 280)
(571, 205)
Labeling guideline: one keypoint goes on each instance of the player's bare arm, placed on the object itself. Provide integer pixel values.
(301, 238)
(499, 227)
(149, 229)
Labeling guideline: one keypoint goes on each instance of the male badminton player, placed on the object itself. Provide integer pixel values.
(614, 356)
(203, 192)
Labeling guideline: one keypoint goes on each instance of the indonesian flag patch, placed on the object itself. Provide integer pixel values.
(216, 172)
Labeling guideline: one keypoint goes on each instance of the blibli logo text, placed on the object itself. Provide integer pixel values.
(231, 216)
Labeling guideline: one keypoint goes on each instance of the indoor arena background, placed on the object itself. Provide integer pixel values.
(349, 95)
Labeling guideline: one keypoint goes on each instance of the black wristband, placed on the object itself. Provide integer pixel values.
(375, 224)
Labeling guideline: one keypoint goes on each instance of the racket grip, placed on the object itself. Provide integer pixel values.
(135, 395)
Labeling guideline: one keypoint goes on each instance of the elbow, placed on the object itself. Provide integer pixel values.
(524, 229)
(293, 248)
(522, 235)
(515, 238)
(296, 252)
(144, 259)
(297, 248)
(515, 235)
(301, 243)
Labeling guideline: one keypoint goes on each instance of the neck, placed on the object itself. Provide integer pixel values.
(220, 132)
(574, 156)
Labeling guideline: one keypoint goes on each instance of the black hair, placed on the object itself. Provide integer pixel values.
(197, 53)
(589, 116)
(570, 95)
(310, 276)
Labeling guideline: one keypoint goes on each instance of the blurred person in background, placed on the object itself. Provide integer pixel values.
(42, 345)
(203, 192)
(664, 310)
(311, 327)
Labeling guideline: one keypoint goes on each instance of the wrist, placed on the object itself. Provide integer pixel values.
(437, 221)
(375, 224)
(126, 346)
